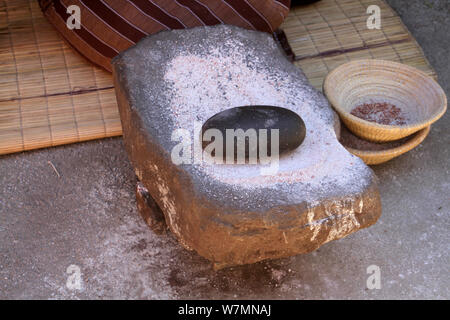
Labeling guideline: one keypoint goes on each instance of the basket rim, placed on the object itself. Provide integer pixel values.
(417, 125)
(408, 145)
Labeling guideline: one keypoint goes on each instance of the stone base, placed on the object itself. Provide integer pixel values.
(149, 210)
(231, 214)
(238, 241)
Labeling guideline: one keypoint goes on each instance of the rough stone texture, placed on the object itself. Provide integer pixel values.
(88, 217)
(149, 210)
(251, 218)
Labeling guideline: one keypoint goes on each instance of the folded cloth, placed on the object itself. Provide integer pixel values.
(107, 27)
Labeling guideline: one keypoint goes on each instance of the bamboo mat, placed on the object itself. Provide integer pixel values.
(50, 95)
(332, 32)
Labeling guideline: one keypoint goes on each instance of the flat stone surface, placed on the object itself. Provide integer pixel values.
(236, 214)
(88, 217)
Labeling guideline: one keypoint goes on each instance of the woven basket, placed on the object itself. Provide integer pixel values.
(368, 81)
(381, 156)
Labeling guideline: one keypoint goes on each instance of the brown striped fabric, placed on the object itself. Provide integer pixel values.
(110, 26)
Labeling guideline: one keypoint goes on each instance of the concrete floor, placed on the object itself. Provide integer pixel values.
(87, 217)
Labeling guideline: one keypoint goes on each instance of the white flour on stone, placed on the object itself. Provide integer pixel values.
(202, 86)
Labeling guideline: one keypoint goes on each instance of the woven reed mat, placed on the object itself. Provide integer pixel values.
(50, 95)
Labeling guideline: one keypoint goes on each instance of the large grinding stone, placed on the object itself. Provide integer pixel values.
(233, 214)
